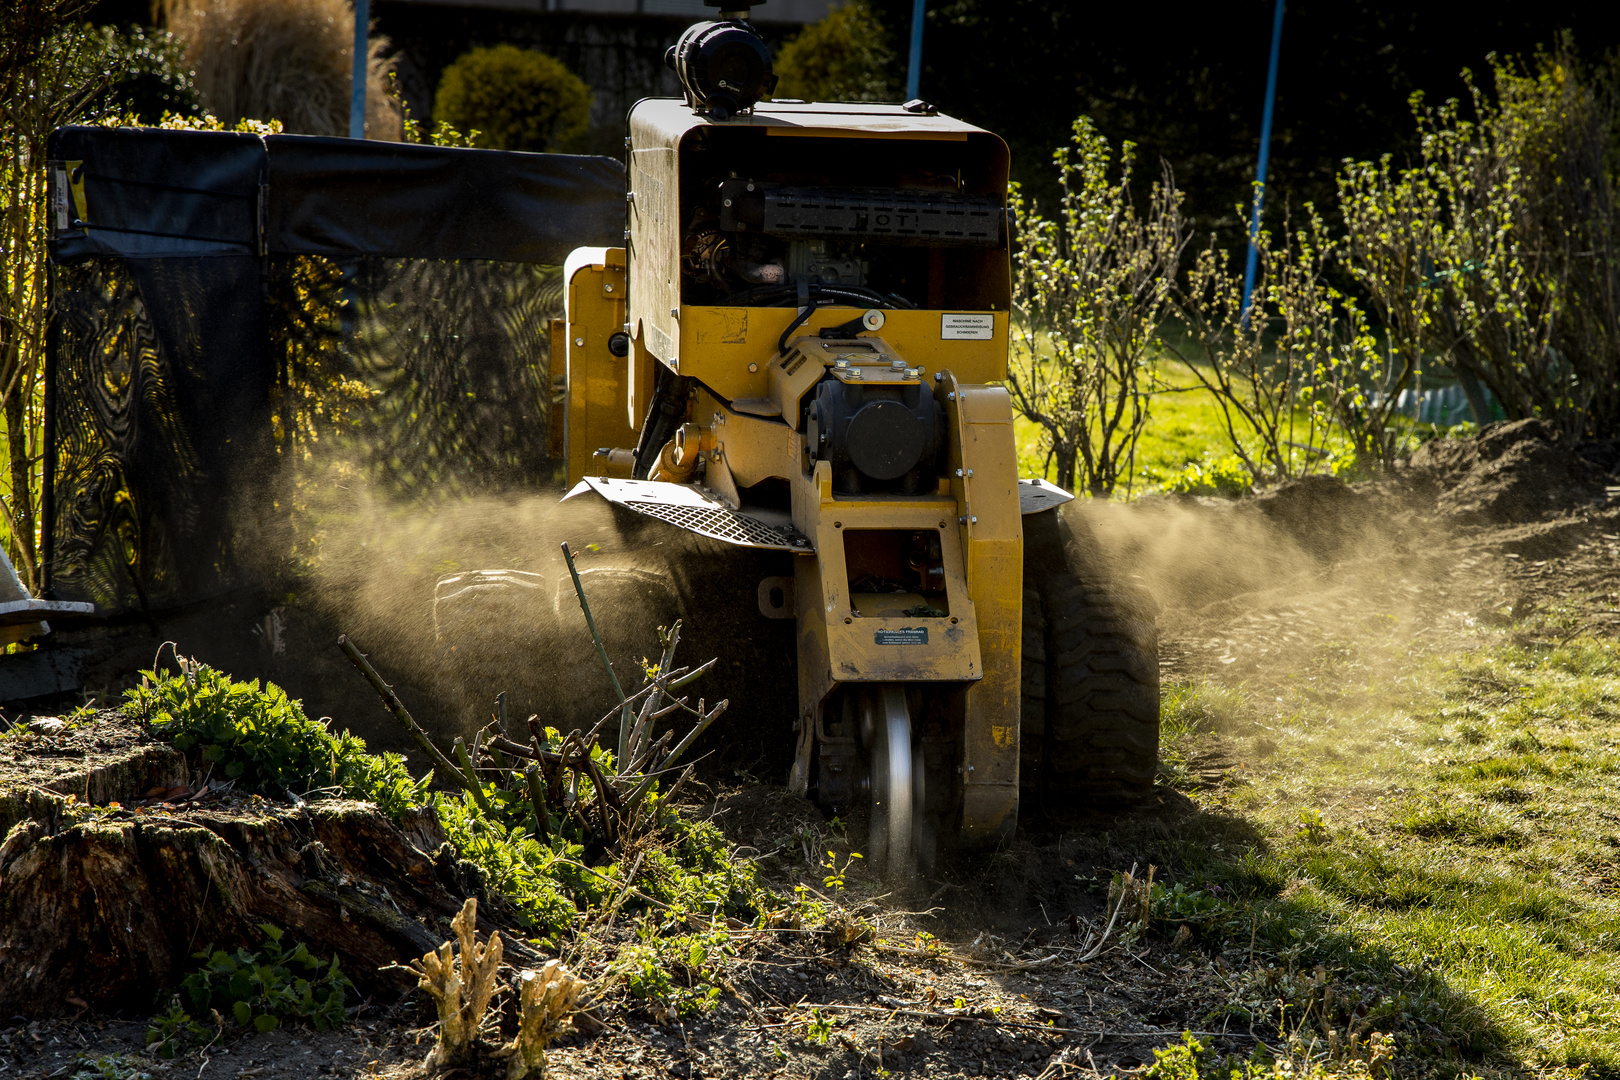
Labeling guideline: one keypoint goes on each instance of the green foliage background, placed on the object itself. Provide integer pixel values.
(844, 57)
(509, 98)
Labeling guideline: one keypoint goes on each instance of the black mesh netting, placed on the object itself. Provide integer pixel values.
(186, 400)
(160, 390)
(190, 392)
(446, 363)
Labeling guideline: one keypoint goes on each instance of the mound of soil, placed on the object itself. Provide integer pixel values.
(1323, 514)
(1511, 472)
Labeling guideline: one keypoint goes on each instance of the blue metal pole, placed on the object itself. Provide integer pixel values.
(914, 68)
(357, 93)
(1265, 152)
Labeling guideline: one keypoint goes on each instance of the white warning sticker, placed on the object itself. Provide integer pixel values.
(955, 326)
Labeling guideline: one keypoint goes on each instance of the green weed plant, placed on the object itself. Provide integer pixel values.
(258, 990)
(260, 738)
(109, 1067)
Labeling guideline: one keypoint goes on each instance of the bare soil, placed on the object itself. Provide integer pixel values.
(1312, 580)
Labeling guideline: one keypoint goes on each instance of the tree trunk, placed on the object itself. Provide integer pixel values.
(1067, 459)
(109, 906)
(22, 495)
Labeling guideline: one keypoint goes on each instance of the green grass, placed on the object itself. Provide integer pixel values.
(1184, 447)
(1441, 836)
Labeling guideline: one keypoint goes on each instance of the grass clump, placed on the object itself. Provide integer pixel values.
(1362, 1059)
(1197, 708)
(261, 739)
(1188, 713)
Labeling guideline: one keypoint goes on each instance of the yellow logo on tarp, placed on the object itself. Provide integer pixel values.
(70, 185)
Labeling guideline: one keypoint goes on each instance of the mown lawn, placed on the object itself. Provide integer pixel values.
(1185, 445)
(1442, 837)
(1423, 846)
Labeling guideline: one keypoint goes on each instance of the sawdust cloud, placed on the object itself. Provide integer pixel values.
(1313, 580)
(1241, 591)
(375, 562)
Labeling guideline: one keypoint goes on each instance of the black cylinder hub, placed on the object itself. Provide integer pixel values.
(725, 67)
(877, 438)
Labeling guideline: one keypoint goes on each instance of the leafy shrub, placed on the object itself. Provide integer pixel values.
(262, 739)
(258, 990)
(844, 57)
(1225, 476)
(507, 98)
(1495, 251)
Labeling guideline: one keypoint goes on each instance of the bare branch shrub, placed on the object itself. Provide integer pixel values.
(1496, 251)
(1301, 361)
(1092, 288)
(461, 985)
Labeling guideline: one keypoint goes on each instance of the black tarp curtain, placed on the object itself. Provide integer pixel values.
(193, 271)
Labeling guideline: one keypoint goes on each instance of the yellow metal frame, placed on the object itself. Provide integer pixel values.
(742, 427)
(726, 348)
(606, 395)
(979, 643)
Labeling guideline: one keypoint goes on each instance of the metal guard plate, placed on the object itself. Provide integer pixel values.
(689, 507)
(1037, 495)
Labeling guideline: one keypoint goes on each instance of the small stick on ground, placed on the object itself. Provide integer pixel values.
(601, 651)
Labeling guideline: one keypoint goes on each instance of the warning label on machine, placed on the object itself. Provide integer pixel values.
(961, 326)
(905, 635)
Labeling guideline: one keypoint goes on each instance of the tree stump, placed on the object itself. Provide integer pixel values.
(109, 906)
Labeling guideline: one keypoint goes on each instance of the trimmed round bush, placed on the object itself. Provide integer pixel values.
(844, 57)
(516, 99)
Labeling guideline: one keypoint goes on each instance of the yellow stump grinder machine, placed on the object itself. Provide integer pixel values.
(801, 347)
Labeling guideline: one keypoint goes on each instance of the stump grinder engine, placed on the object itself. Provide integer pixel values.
(800, 347)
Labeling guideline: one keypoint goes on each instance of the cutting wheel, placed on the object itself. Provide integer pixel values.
(893, 784)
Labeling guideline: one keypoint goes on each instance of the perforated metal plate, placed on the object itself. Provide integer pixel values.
(689, 507)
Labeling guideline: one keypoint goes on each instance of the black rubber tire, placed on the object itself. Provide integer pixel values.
(1090, 725)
